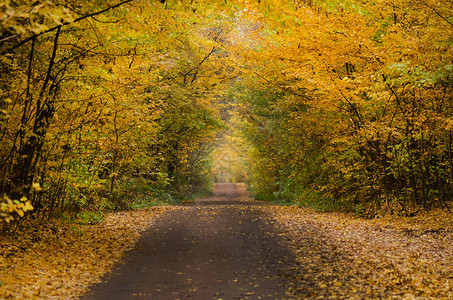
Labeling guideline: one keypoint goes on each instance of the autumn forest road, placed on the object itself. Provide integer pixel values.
(223, 247)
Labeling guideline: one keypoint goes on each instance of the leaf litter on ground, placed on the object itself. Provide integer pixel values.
(60, 261)
(341, 256)
(338, 255)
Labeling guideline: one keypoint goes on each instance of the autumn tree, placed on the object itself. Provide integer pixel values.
(365, 102)
(342, 104)
(101, 101)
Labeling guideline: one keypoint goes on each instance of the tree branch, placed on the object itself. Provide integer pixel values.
(9, 38)
(59, 26)
(437, 13)
(288, 90)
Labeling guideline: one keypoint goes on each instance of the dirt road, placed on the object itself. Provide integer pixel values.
(223, 247)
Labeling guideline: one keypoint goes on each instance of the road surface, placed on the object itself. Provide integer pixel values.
(223, 247)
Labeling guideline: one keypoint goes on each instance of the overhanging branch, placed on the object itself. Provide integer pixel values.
(59, 26)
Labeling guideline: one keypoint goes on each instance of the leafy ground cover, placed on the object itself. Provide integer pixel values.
(341, 256)
(338, 255)
(59, 261)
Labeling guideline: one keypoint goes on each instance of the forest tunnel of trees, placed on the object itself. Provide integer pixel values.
(335, 104)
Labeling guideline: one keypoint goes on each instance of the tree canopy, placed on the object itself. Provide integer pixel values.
(338, 104)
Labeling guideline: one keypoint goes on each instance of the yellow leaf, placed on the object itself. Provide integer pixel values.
(36, 186)
(28, 206)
